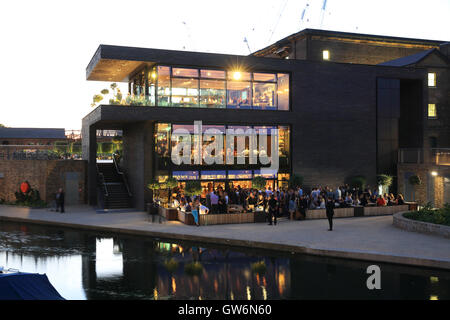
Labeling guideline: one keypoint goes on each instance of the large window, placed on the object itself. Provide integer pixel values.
(163, 78)
(239, 94)
(212, 93)
(207, 88)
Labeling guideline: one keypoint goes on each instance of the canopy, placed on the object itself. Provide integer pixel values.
(27, 286)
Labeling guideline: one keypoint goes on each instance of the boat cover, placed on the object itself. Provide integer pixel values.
(27, 286)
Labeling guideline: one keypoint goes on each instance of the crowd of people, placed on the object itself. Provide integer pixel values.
(283, 202)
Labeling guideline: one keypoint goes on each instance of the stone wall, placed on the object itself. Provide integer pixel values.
(46, 176)
(401, 222)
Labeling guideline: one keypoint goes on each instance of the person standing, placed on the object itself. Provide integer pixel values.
(330, 212)
(60, 200)
(273, 210)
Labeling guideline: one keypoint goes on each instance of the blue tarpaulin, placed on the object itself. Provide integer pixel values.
(27, 286)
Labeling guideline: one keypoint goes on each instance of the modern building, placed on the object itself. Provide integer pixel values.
(339, 113)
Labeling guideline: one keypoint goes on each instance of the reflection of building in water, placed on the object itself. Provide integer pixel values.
(225, 275)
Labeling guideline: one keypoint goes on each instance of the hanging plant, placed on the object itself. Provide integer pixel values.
(415, 180)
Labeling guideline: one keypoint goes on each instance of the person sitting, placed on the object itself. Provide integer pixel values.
(381, 201)
(400, 201)
(356, 202)
(322, 202)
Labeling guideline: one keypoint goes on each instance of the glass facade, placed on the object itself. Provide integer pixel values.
(169, 139)
(207, 88)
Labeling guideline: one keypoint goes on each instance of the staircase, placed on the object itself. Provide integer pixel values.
(116, 195)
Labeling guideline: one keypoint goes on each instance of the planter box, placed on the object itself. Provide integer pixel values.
(171, 214)
(185, 217)
(322, 213)
(228, 218)
(385, 210)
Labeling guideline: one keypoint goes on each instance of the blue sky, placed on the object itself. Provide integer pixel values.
(46, 45)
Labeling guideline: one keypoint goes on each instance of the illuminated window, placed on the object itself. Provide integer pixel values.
(212, 93)
(432, 79)
(326, 55)
(432, 110)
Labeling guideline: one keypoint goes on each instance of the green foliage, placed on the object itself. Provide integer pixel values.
(171, 182)
(430, 215)
(259, 267)
(154, 185)
(193, 269)
(295, 180)
(107, 147)
(171, 265)
(104, 91)
(259, 183)
(193, 188)
(415, 180)
(384, 180)
(2, 125)
(358, 182)
(32, 198)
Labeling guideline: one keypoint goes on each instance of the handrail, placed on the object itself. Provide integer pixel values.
(124, 179)
(102, 181)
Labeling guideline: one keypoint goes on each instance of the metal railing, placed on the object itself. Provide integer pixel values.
(124, 178)
(435, 156)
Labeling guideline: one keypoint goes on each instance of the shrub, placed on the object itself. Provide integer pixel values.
(358, 182)
(430, 215)
(295, 181)
(171, 265)
(259, 183)
(193, 188)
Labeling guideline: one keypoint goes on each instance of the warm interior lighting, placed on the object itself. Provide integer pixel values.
(154, 75)
(326, 55)
(432, 79)
(431, 110)
(434, 173)
(237, 75)
(434, 298)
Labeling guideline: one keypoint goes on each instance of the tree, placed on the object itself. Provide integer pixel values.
(295, 181)
(385, 181)
(259, 183)
(2, 126)
(193, 188)
(170, 183)
(358, 182)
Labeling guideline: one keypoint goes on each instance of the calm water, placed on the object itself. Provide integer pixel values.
(86, 265)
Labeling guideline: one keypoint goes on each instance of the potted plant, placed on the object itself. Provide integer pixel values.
(295, 181)
(384, 181)
(259, 183)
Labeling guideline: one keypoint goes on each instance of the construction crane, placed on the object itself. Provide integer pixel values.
(246, 41)
(189, 36)
(322, 12)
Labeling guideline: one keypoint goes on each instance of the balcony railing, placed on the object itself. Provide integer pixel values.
(435, 156)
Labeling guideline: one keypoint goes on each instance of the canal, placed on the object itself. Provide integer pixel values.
(89, 265)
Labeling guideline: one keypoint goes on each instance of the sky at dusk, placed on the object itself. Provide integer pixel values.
(46, 45)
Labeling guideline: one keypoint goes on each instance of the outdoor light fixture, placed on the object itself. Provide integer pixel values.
(154, 75)
(434, 173)
(326, 55)
(237, 75)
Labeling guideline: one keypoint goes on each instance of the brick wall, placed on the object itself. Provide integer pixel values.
(423, 192)
(47, 176)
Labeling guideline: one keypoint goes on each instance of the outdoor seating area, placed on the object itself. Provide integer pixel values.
(253, 205)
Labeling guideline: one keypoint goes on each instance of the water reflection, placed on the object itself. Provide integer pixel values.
(85, 265)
